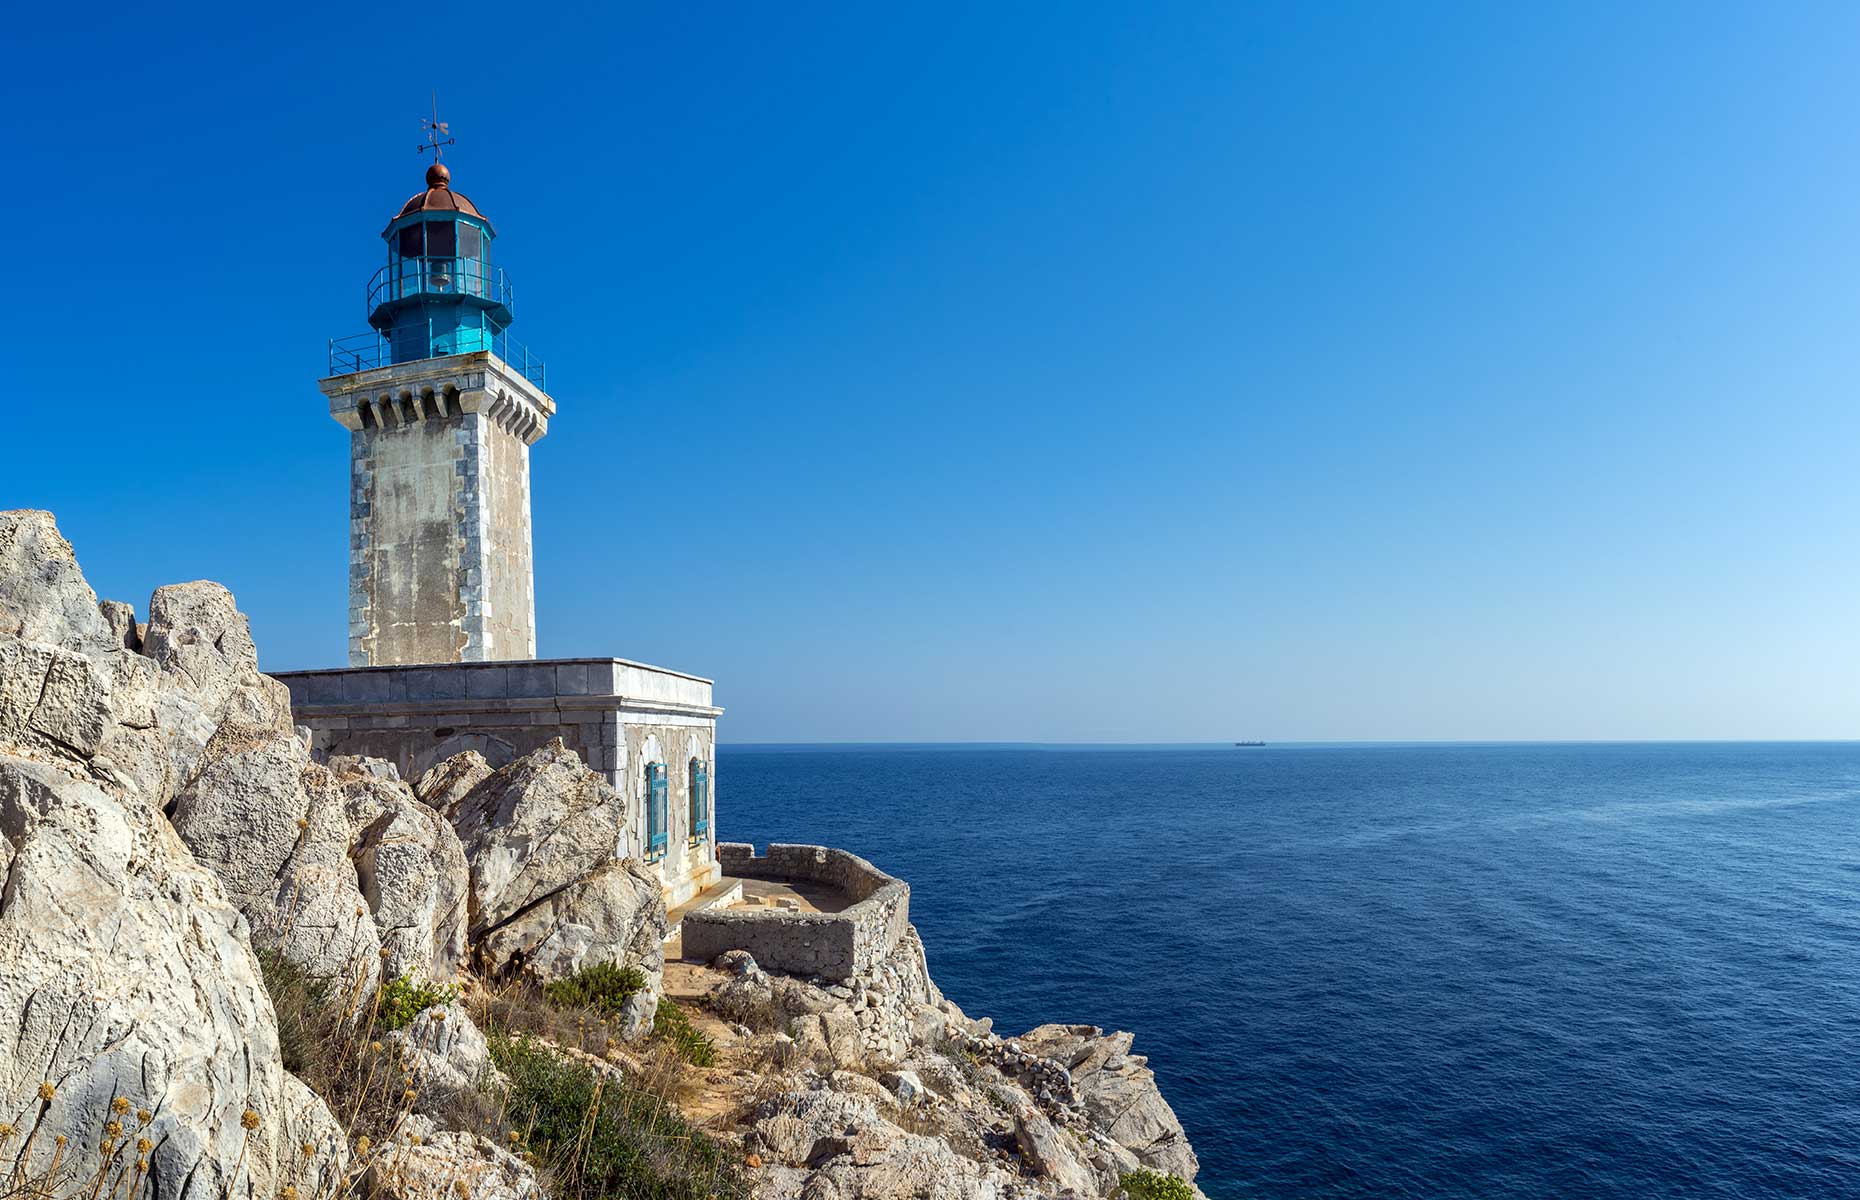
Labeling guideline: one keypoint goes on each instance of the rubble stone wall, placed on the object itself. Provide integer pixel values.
(842, 945)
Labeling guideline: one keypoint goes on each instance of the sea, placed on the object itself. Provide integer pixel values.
(1537, 970)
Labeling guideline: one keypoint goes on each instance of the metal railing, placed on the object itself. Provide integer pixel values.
(367, 351)
(409, 277)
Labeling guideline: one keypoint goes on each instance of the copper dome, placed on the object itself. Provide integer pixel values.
(439, 196)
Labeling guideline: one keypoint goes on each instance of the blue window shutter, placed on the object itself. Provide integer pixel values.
(700, 798)
(655, 809)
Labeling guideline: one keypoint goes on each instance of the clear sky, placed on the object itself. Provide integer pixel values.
(1050, 372)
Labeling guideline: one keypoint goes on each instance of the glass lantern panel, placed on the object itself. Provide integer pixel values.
(440, 242)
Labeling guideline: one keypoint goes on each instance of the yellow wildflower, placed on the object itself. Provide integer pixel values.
(47, 1090)
(120, 1105)
(249, 1119)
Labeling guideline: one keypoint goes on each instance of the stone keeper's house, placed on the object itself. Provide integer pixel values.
(442, 409)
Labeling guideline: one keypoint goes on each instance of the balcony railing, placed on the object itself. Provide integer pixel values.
(411, 277)
(366, 351)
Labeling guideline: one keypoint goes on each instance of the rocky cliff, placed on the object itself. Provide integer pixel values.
(227, 969)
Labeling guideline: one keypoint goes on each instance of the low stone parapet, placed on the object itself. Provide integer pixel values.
(836, 945)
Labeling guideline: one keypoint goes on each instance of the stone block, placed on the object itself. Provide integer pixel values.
(487, 683)
(326, 689)
(365, 687)
(435, 683)
(600, 679)
(534, 680)
(571, 680)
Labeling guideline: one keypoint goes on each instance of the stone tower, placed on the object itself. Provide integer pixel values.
(442, 409)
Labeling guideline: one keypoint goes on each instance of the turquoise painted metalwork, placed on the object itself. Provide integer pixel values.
(438, 295)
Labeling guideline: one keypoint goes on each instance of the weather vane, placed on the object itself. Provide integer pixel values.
(438, 132)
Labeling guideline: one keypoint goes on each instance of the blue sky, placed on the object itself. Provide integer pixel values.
(1049, 372)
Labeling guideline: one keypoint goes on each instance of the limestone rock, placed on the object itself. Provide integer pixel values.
(853, 1153)
(43, 596)
(52, 699)
(908, 1087)
(447, 1166)
(120, 619)
(281, 849)
(445, 1054)
(361, 764)
(1047, 1153)
(448, 782)
(197, 634)
(1118, 1093)
(533, 828)
(413, 875)
(125, 970)
(831, 1039)
(615, 913)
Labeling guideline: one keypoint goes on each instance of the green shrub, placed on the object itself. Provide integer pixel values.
(601, 1136)
(1145, 1184)
(672, 1025)
(603, 987)
(404, 999)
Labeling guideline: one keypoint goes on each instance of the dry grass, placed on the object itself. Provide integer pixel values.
(114, 1164)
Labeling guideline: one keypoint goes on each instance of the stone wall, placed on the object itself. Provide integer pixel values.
(838, 945)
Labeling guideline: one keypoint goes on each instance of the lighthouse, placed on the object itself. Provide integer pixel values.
(442, 407)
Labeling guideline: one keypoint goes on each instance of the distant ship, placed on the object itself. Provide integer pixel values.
(1249, 743)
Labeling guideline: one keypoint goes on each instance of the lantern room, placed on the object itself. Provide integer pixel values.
(439, 293)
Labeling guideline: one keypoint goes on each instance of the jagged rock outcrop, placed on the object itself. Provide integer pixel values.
(547, 896)
(615, 913)
(447, 782)
(43, 595)
(413, 874)
(532, 828)
(1064, 1111)
(282, 850)
(827, 1145)
(125, 969)
(1117, 1092)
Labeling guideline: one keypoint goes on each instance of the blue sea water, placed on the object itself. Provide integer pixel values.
(1401, 971)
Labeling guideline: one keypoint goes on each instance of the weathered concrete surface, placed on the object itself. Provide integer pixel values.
(440, 566)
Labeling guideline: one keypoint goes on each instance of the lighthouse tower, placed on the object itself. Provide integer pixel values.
(442, 408)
